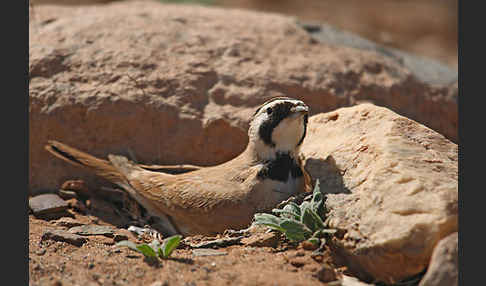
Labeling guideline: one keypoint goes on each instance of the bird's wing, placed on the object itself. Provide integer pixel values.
(202, 201)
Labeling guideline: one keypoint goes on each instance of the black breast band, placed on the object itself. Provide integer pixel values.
(280, 168)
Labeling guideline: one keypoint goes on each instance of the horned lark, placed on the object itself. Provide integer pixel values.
(213, 199)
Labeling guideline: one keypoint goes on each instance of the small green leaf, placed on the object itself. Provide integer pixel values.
(294, 230)
(168, 245)
(268, 220)
(317, 188)
(286, 214)
(317, 202)
(293, 208)
(308, 219)
(146, 250)
(312, 220)
(317, 219)
(303, 206)
(282, 211)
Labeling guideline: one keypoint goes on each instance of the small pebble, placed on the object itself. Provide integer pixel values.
(326, 274)
(47, 204)
(67, 222)
(92, 229)
(307, 245)
(61, 235)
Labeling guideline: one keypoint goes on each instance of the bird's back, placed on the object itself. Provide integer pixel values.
(208, 200)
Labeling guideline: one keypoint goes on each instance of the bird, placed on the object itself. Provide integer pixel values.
(213, 199)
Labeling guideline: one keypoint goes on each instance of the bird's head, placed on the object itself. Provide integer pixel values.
(278, 126)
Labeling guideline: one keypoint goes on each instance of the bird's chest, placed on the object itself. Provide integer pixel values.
(283, 168)
(274, 191)
(280, 178)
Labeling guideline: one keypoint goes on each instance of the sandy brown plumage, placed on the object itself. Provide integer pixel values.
(208, 200)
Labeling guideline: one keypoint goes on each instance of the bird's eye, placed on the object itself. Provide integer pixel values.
(269, 110)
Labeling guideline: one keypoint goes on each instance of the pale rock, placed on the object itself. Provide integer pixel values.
(64, 236)
(67, 222)
(92, 229)
(392, 188)
(46, 204)
(352, 281)
(443, 268)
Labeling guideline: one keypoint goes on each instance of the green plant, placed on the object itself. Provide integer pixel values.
(299, 222)
(155, 248)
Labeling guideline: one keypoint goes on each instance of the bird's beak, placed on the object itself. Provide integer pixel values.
(300, 109)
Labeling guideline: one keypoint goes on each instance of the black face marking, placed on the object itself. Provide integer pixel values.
(280, 168)
(280, 111)
(306, 118)
(270, 100)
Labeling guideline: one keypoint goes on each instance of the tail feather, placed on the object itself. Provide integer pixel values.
(76, 157)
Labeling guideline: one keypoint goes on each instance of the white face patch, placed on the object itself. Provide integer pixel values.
(288, 132)
(278, 125)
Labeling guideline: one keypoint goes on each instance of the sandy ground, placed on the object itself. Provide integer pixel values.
(100, 262)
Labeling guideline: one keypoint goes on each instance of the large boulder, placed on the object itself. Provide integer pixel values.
(391, 187)
(169, 84)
